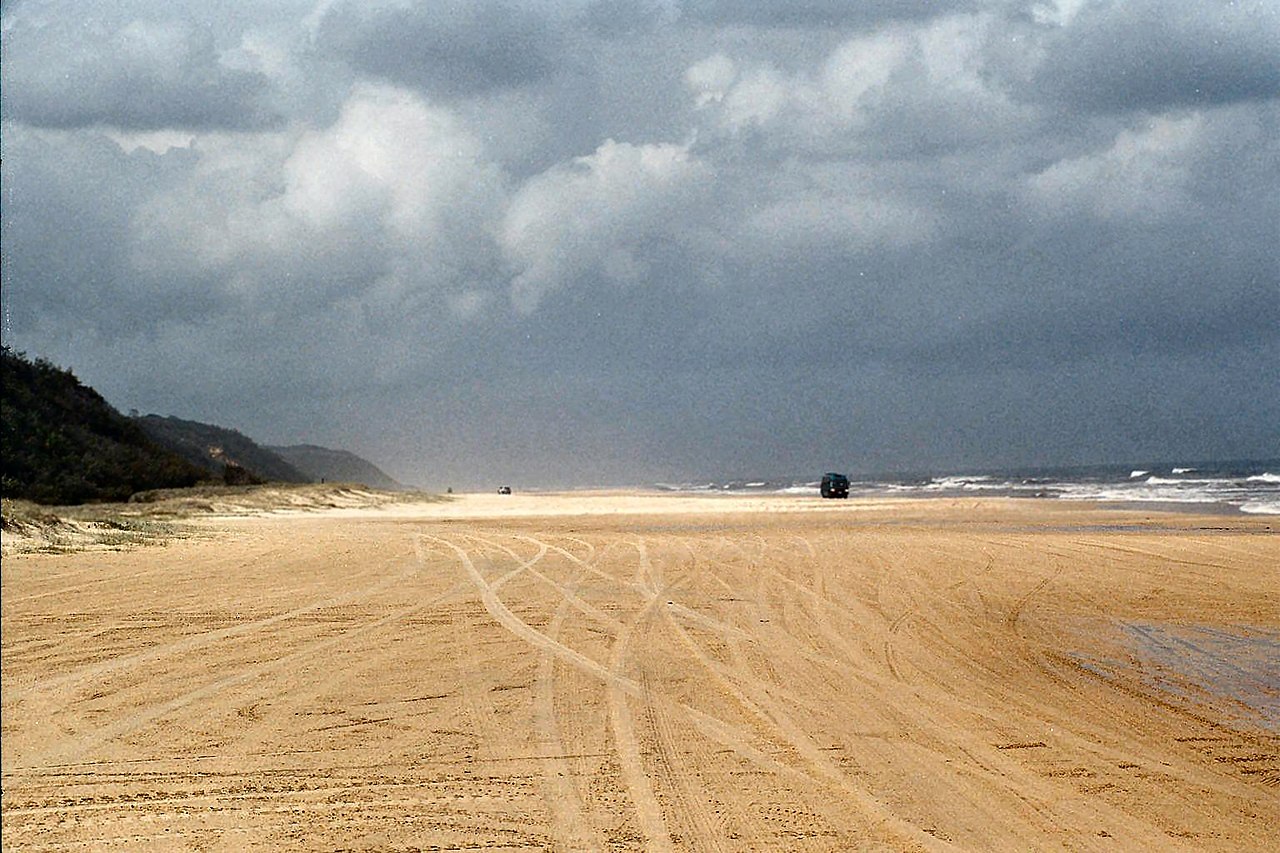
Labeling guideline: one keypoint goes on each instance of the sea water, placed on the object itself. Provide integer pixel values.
(1243, 486)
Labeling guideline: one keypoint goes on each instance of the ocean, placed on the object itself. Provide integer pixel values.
(1237, 486)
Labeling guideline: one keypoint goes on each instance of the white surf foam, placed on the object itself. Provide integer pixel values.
(967, 483)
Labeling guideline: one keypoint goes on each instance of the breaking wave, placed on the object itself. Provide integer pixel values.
(1245, 487)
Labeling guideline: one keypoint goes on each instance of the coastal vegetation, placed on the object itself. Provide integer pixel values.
(76, 473)
(63, 443)
(225, 453)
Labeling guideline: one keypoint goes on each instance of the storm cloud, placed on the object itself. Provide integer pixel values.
(578, 243)
(144, 74)
(457, 47)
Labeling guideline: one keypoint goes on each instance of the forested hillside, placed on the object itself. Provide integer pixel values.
(335, 466)
(225, 452)
(62, 443)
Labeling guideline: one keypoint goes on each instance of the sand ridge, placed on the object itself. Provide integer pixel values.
(592, 671)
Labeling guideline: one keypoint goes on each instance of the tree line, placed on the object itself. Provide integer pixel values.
(62, 443)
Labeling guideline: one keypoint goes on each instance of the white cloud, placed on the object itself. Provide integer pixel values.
(711, 78)
(909, 84)
(758, 98)
(594, 214)
(863, 66)
(389, 154)
(832, 223)
(1058, 12)
(395, 197)
(157, 141)
(1143, 175)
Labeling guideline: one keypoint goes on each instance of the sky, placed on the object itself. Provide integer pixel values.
(596, 242)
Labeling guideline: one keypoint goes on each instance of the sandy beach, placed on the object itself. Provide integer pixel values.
(606, 671)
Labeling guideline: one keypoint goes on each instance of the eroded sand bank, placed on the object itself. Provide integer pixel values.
(603, 671)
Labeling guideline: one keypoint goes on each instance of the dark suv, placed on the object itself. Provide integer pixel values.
(835, 486)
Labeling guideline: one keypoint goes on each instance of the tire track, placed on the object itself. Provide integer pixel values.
(190, 644)
(756, 695)
(639, 785)
(566, 591)
(766, 695)
(141, 718)
(145, 716)
(674, 757)
(761, 694)
(269, 556)
(671, 763)
(572, 828)
(644, 590)
(898, 831)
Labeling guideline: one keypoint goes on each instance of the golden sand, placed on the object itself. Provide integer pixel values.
(627, 672)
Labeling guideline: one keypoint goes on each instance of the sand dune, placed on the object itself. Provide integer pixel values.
(607, 671)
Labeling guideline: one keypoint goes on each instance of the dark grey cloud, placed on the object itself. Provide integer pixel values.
(818, 13)
(627, 18)
(447, 48)
(69, 205)
(1155, 55)
(554, 243)
(145, 74)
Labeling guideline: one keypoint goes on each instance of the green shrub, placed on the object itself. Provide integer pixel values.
(62, 443)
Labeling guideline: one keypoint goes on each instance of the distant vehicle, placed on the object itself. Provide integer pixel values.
(835, 486)
(504, 490)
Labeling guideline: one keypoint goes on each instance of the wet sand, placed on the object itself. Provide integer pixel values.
(631, 672)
